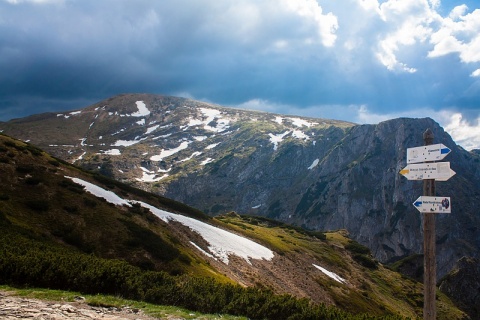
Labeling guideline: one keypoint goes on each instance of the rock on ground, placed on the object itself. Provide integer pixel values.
(13, 307)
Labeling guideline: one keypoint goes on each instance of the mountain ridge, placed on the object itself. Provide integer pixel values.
(316, 173)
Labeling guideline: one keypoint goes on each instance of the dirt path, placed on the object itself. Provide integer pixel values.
(14, 307)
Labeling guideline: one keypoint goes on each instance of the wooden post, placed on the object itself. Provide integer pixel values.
(429, 262)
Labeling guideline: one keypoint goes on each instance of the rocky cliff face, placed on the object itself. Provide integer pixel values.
(462, 284)
(316, 173)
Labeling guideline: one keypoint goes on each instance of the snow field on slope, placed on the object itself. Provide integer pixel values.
(222, 243)
(330, 274)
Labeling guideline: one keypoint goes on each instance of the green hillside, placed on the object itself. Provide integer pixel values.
(57, 235)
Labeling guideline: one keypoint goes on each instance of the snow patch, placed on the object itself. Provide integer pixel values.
(206, 161)
(100, 192)
(209, 115)
(113, 152)
(145, 170)
(314, 164)
(121, 130)
(195, 154)
(200, 138)
(146, 177)
(300, 122)
(194, 122)
(125, 143)
(167, 153)
(142, 110)
(73, 113)
(141, 122)
(212, 146)
(81, 156)
(162, 136)
(151, 129)
(330, 274)
(221, 243)
(278, 120)
(202, 251)
(277, 138)
(299, 135)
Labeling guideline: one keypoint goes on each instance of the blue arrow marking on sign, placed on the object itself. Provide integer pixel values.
(444, 150)
(418, 204)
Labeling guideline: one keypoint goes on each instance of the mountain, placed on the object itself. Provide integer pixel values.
(65, 228)
(315, 173)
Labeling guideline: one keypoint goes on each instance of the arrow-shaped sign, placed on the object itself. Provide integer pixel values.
(423, 171)
(433, 204)
(452, 173)
(433, 152)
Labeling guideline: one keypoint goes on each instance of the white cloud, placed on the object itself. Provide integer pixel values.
(326, 24)
(435, 3)
(458, 12)
(475, 73)
(464, 133)
(410, 23)
(459, 33)
(370, 5)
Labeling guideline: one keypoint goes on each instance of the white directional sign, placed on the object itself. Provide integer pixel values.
(433, 152)
(422, 171)
(452, 173)
(433, 204)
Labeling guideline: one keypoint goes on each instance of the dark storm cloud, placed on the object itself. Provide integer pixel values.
(383, 58)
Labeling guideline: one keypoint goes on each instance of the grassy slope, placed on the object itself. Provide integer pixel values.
(372, 288)
(37, 199)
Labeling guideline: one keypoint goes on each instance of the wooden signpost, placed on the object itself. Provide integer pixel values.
(421, 167)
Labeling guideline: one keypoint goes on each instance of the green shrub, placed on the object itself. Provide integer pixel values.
(27, 262)
(54, 162)
(89, 202)
(72, 186)
(25, 168)
(71, 209)
(38, 205)
(34, 150)
(355, 247)
(33, 181)
(365, 261)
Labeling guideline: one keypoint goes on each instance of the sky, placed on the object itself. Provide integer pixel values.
(363, 61)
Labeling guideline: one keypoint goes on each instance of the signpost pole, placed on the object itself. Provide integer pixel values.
(429, 263)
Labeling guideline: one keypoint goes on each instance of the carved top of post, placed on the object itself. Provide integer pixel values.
(428, 137)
